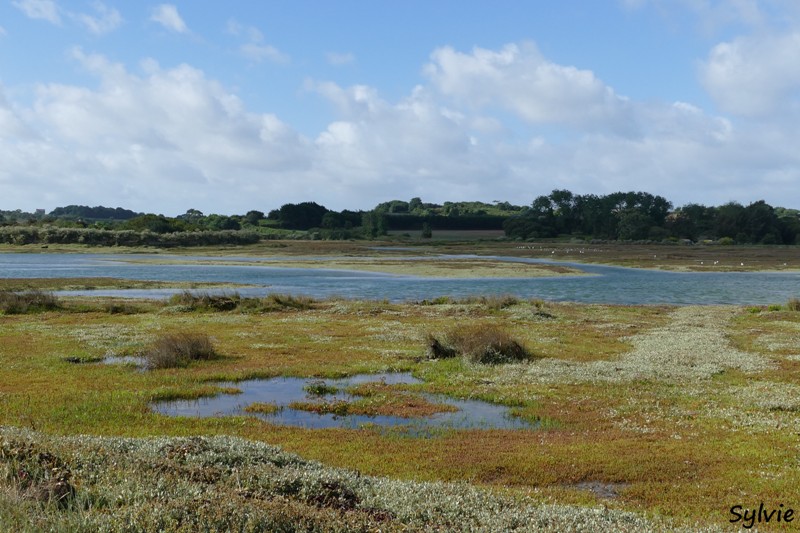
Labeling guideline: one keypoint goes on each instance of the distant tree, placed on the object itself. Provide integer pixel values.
(253, 217)
(427, 232)
(192, 215)
(221, 222)
(374, 224)
(302, 216)
(730, 220)
(154, 223)
(633, 225)
(415, 204)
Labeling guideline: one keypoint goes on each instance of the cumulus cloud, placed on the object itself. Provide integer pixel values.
(519, 79)
(105, 19)
(39, 9)
(169, 138)
(167, 15)
(154, 140)
(754, 76)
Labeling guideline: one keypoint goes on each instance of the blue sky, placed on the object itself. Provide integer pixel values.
(239, 105)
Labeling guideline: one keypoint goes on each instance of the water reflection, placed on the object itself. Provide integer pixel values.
(283, 391)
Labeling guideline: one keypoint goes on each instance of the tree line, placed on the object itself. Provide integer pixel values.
(620, 216)
(639, 216)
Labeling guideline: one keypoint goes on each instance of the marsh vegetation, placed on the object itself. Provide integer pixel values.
(675, 413)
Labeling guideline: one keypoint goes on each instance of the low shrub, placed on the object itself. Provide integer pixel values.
(206, 301)
(16, 303)
(178, 350)
(319, 388)
(278, 302)
(480, 343)
(793, 304)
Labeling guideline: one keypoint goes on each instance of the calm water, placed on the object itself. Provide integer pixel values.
(283, 391)
(606, 285)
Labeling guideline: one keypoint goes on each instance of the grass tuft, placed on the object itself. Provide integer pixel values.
(319, 388)
(205, 301)
(480, 343)
(178, 350)
(18, 303)
(793, 304)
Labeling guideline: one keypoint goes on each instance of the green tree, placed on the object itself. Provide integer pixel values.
(253, 217)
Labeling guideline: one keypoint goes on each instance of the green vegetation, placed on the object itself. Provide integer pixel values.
(621, 216)
(204, 301)
(319, 388)
(638, 216)
(651, 417)
(32, 301)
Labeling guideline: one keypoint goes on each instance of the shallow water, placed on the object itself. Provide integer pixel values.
(283, 391)
(616, 285)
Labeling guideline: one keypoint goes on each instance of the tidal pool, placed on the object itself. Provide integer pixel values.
(281, 392)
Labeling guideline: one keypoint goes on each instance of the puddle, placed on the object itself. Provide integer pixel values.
(281, 392)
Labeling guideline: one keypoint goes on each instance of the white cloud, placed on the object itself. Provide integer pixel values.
(170, 137)
(261, 52)
(167, 15)
(106, 19)
(340, 59)
(756, 75)
(166, 139)
(39, 9)
(255, 48)
(518, 78)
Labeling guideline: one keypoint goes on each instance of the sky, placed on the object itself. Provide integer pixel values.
(231, 106)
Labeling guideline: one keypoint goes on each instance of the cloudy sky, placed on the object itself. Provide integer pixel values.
(239, 105)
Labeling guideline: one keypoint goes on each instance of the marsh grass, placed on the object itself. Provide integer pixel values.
(319, 388)
(32, 301)
(478, 343)
(204, 301)
(793, 304)
(177, 350)
(263, 408)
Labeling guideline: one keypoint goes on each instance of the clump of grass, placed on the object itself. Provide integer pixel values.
(17, 303)
(206, 301)
(494, 302)
(263, 408)
(793, 304)
(279, 302)
(319, 388)
(177, 350)
(480, 343)
(338, 407)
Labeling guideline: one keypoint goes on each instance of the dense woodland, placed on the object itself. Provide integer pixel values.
(622, 216)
